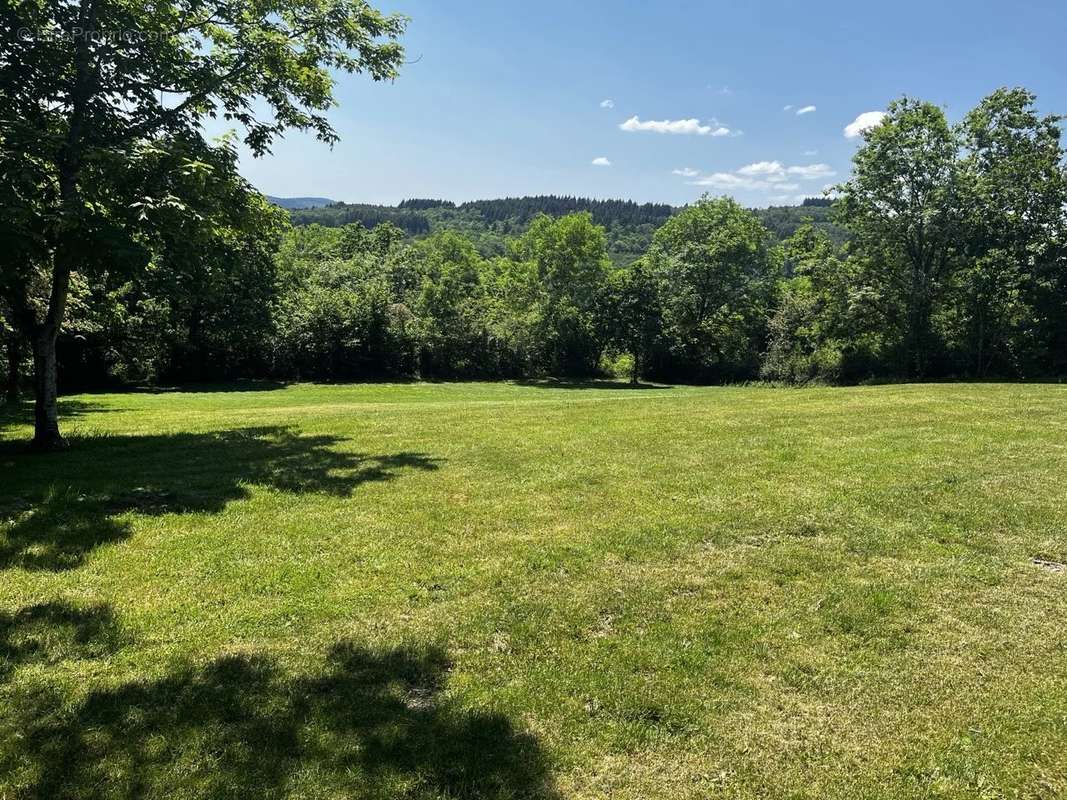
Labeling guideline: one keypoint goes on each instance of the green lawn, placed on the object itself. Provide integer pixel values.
(494, 590)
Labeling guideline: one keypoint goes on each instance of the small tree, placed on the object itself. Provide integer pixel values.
(630, 315)
(805, 341)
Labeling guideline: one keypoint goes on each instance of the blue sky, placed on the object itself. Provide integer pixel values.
(507, 98)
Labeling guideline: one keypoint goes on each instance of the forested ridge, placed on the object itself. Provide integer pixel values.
(521, 209)
(629, 226)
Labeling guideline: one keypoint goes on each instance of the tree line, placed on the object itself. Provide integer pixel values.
(337, 214)
(515, 210)
(955, 267)
(604, 212)
(490, 223)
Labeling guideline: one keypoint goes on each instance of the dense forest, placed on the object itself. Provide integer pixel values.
(628, 226)
(510, 209)
(943, 256)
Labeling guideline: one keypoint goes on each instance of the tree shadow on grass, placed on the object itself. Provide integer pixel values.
(222, 387)
(363, 724)
(48, 633)
(56, 508)
(554, 383)
(21, 412)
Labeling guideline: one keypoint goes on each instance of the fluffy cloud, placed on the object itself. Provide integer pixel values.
(812, 172)
(685, 172)
(868, 119)
(774, 171)
(689, 126)
(760, 176)
(601, 161)
(805, 110)
(762, 168)
(735, 180)
(607, 104)
(788, 107)
(726, 180)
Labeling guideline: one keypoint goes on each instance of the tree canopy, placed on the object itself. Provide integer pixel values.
(101, 111)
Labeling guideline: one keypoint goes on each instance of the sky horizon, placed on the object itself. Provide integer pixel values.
(654, 104)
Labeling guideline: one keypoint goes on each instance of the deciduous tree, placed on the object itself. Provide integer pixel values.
(1014, 204)
(902, 205)
(86, 85)
(716, 271)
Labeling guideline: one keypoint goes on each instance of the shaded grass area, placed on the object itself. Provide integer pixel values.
(368, 723)
(96, 486)
(492, 590)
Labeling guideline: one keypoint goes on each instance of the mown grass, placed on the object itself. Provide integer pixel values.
(492, 590)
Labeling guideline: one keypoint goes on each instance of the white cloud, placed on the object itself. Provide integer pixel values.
(685, 172)
(726, 180)
(788, 107)
(812, 172)
(760, 168)
(690, 126)
(736, 180)
(811, 152)
(774, 171)
(805, 110)
(763, 176)
(866, 120)
(607, 104)
(601, 161)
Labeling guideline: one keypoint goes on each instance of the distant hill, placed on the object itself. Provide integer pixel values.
(783, 221)
(488, 223)
(517, 209)
(298, 203)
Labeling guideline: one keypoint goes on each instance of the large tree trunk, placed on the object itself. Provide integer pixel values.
(14, 358)
(920, 334)
(46, 434)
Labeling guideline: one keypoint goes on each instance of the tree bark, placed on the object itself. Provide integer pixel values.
(46, 435)
(14, 358)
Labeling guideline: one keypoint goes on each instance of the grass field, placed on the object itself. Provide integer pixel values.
(493, 590)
